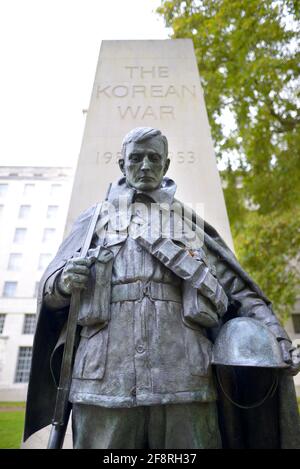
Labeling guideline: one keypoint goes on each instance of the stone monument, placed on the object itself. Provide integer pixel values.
(156, 84)
(147, 83)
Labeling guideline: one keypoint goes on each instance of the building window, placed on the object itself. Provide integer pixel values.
(10, 289)
(55, 189)
(48, 234)
(2, 321)
(28, 189)
(3, 189)
(296, 322)
(44, 260)
(20, 235)
(52, 211)
(23, 365)
(29, 324)
(14, 262)
(36, 289)
(24, 211)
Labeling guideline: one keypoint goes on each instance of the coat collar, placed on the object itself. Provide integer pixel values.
(163, 194)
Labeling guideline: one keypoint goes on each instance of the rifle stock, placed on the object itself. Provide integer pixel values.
(58, 431)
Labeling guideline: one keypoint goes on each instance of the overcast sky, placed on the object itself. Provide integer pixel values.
(49, 51)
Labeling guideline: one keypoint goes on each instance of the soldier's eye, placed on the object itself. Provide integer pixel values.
(155, 158)
(135, 158)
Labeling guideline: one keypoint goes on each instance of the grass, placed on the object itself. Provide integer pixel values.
(11, 425)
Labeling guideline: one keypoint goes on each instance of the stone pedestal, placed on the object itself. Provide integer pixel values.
(150, 83)
(39, 440)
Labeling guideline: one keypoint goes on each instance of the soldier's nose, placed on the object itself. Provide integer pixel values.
(146, 164)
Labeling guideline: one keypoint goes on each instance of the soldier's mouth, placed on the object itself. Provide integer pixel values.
(146, 178)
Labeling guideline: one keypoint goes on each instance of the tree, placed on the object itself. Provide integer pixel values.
(249, 61)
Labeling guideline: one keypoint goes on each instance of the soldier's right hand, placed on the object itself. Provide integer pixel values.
(74, 275)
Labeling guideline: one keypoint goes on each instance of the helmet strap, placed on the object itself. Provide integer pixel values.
(270, 393)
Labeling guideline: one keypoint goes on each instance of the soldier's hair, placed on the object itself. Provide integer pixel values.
(140, 134)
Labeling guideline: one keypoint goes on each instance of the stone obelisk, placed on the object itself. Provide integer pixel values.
(150, 83)
(147, 83)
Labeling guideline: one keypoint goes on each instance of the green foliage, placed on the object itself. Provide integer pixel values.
(249, 61)
(263, 244)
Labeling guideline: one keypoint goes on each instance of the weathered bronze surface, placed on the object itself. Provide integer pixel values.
(157, 286)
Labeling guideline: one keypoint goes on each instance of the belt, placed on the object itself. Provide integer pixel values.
(138, 290)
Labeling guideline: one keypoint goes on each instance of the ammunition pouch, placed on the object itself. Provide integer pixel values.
(95, 299)
(204, 299)
(197, 308)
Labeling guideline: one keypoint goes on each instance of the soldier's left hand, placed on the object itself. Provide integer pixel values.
(295, 367)
(291, 355)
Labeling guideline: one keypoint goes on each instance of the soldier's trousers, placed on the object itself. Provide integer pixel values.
(173, 426)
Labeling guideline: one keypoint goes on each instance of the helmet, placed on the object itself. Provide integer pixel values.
(247, 342)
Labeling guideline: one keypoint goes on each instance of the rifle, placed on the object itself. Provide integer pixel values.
(63, 406)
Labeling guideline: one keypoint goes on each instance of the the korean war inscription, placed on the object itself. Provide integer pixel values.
(133, 91)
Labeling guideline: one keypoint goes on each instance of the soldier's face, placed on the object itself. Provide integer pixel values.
(145, 164)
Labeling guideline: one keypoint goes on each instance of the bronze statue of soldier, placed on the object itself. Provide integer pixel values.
(152, 302)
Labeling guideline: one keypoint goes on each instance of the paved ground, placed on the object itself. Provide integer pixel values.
(9, 408)
(40, 439)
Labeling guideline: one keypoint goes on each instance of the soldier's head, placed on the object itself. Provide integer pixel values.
(144, 160)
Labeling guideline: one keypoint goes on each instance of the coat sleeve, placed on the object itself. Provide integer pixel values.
(52, 298)
(246, 301)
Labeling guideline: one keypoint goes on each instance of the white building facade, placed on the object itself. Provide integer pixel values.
(33, 208)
